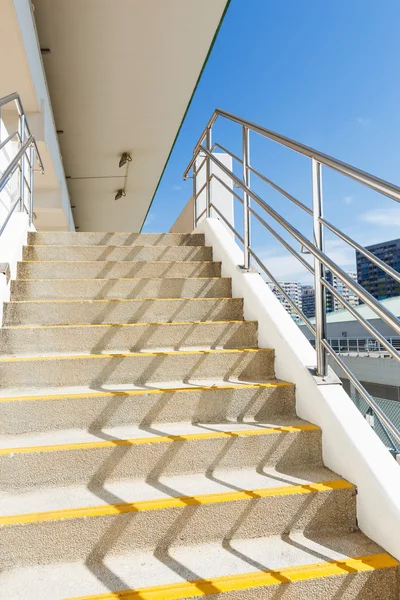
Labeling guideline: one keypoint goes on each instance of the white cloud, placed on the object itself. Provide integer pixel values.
(176, 188)
(285, 267)
(382, 217)
(363, 121)
(348, 199)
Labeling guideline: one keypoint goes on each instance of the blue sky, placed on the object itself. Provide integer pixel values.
(323, 73)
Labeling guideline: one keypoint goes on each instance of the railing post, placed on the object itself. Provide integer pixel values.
(208, 174)
(320, 294)
(21, 127)
(194, 173)
(31, 182)
(246, 181)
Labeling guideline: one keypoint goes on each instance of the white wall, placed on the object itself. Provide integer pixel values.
(23, 72)
(350, 447)
(220, 196)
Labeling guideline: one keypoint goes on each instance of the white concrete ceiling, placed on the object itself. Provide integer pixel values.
(120, 75)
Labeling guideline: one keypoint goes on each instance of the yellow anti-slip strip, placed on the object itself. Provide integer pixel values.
(131, 354)
(162, 439)
(257, 579)
(139, 324)
(146, 392)
(179, 502)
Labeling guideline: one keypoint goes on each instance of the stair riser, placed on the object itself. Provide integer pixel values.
(134, 338)
(95, 413)
(58, 238)
(150, 461)
(111, 270)
(117, 253)
(97, 372)
(92, 538)
(140, 311)
(114, 289)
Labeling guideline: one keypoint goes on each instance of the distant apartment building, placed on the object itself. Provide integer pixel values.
(308, 300)
(293, 290)
(333, 303)
(372, 278)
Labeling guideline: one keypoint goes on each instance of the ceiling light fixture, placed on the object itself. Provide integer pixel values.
(125, 158)
(120, 194)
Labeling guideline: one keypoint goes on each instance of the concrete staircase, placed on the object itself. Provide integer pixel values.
(146, 446)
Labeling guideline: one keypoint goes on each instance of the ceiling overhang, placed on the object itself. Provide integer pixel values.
(121, 74)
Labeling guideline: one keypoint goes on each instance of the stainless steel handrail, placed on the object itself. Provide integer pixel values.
(315, 248)
(26, 154)
(377, 184)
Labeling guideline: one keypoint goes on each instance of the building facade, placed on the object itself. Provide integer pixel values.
(372, 278)
(333, 303)
(308, 300)
(293, 290)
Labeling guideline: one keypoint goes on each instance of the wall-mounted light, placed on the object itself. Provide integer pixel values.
(125, 158)
(120, 194)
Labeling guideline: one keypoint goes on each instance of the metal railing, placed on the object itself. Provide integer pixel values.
(203, 152)
(22, 162)
(362, 345)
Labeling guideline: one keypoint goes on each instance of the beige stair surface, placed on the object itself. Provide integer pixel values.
(147, 450)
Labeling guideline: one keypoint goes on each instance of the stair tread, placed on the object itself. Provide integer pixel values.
(190, 563)
(149, 433)
(139, 324)
(128, 389)
(133, 300)
(163, 489)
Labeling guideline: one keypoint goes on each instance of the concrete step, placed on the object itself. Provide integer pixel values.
(99, 370)
(69, 458)
(211, 402)
(117, 289)
(92, 238)
(313, 566)
(98, 269)
(133, 337)
(89, 253)
(121, 311)
(89, 523)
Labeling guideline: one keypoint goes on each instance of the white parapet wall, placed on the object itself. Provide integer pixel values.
(350, 447)
(12, 240)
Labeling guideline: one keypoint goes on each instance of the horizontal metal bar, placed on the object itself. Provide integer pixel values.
(282, 191)
(284, 294)
(226, 186)
(374, 259)
(14, 164)
(361, 389)
(283, 242)
(2, 228)
(374, 332)
(217, 145)
(10, 137)
(200, 215)
(375, 183)
(388, 317)
(227, 222)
